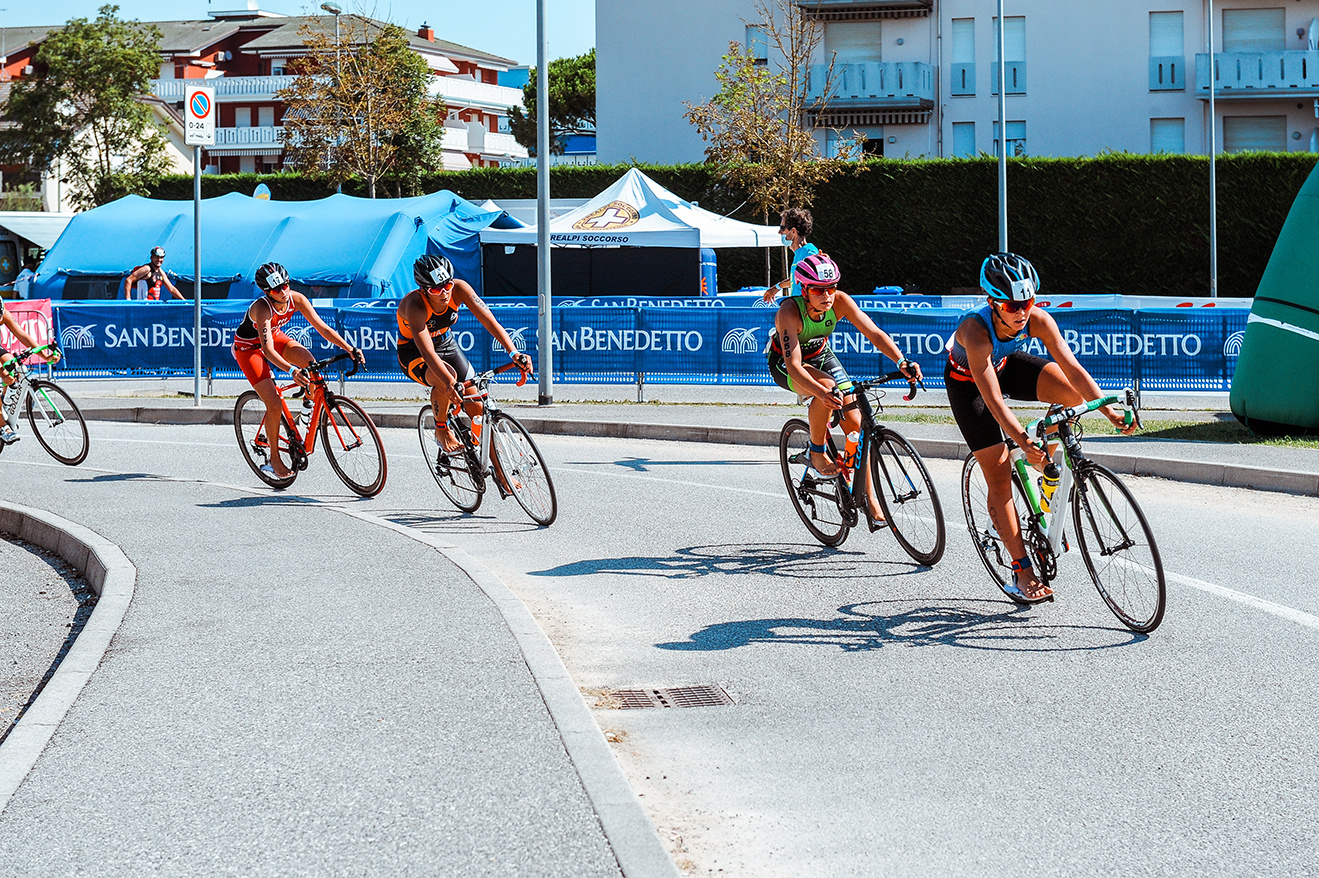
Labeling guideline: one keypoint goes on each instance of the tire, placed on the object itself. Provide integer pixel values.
(1119, 549)
(907, 496)
(57, 423)
(817, 499)
(519, 463)
(352, 443)
(249, 414)
(975, 504)
(458, 473)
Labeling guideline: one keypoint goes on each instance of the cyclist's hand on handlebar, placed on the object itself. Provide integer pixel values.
(911, 369)
(358, 357)
(1035, 455)
(300, 375)
(832, 398)
(1118, 419)
(521, 360)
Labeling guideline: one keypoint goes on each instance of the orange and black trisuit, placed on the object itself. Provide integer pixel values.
(438, 324)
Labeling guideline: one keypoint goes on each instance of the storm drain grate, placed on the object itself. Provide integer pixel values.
(677, 696)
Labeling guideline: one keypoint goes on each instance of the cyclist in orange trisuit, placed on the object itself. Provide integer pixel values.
(8, 435)
(427, 351)
(260, 341)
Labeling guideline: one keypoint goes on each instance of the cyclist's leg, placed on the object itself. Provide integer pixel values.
(442, 397)
(257, 370)
(8, 382)
(817, 416)
(849, 421)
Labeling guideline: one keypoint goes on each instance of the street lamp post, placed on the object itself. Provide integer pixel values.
(546, 322)
(1002, 138)
(336, 10)
(1213, 169)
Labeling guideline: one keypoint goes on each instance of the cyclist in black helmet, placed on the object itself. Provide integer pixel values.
(427, 351)
(260, 341)
(985, 363)
(150, 278)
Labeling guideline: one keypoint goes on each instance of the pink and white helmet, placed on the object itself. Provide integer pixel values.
(817, 271)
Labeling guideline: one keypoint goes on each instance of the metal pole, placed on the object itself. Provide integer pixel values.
(1002, 138)
(197, 275)
(546, 331)
(1213, 167)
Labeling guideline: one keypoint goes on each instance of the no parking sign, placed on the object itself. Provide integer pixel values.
(199, 115)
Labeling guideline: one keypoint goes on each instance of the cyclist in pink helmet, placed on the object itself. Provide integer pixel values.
(801, 360)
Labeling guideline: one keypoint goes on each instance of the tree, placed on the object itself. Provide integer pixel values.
(361, 105)
(81, 110)
(756, 125)
(572, 103)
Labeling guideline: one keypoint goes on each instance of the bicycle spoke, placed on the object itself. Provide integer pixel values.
(817, 499)
(907, 495)
(1119, 549)
(353, 446)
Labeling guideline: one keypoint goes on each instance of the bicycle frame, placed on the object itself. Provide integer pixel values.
(481, 384)
(22, 386)
(321, 398)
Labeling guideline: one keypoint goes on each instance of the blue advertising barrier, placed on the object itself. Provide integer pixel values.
(1186, 349)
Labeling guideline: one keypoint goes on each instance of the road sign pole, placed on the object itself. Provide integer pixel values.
(197, 275)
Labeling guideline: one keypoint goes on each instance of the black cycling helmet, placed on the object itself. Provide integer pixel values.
(432, 271)
(157, 251)
(1009, 278)
(271, 276)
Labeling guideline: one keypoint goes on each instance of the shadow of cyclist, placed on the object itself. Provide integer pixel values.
(792, 560)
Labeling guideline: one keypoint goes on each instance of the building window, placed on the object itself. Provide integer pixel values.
(1016, 139)
(853, 42)
(265, 117)
(1167, 52)
(964, 56)
(1243, 133)
(1014, 54)
(757, 45)
(1254, 30)
(964, 140)
(1168, 135)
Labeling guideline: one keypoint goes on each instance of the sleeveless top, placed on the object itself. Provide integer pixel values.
(437, 323)
(155, 279)
(814, 335)
(245, 336)
(961, 369)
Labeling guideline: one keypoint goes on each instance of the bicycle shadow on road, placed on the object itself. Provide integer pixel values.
(792, 560)
(969, 624)
(643, 464)
(456, 523)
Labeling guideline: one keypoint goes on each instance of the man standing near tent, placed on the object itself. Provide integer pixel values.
(795, 225)
(150, 278)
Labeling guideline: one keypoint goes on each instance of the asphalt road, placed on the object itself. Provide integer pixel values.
(890, 719)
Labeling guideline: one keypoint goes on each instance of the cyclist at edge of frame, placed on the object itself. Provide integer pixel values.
(8, 435)
(986, 363)
(801, 360)
(260, 341)
(427, 350)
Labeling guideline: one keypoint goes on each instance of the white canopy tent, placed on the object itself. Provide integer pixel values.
(638, 212)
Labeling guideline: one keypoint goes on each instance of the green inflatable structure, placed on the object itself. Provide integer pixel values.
(1275, 389)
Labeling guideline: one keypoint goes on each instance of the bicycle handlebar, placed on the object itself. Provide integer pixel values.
(23, 355)
(491, 373)
(1127, 401)
(862, 386)
(320, 365)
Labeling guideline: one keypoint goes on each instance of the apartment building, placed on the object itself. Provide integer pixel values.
(245, 54)
(920, 77)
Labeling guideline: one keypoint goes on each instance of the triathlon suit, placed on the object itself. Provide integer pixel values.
(154, 280)
(1018, 375)
(247, 344)
(438, 324)
(815, 350)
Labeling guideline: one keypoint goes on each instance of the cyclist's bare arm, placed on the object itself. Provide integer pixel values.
(974, 336)
(12, 324)
(131, 278)
(788, 325)
(1045, 328)
(173, 289)
(463, 294)
(847, 309)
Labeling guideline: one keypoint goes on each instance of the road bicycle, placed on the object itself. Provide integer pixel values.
(830, 506)
(56, 421)
(1110, 529)
(351, 440)
(495, 446)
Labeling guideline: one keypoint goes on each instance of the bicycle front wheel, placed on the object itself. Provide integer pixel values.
(352, 443)
(1119, 549)
(907, 496)
(818, 499)
(456, 472)
(249, 427)
(989, 545)
(57, 423)
(519, 463)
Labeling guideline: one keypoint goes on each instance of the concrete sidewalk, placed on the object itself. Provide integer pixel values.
(749, 415)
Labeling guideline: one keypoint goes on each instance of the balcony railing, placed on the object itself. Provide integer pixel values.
(478, 141)
(895, 85)
(227, 88)
(261, 136)
(475, 94)
(1259, 74)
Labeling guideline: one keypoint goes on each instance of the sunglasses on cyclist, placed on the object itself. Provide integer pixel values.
(444, 289)
(1016, 307)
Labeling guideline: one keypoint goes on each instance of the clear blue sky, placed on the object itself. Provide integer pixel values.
(503, 27)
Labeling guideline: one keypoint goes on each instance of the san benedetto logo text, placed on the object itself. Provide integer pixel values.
(614, 215)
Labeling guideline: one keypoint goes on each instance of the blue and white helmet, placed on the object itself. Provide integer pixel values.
(1009, 278)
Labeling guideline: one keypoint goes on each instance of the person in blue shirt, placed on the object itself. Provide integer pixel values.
(986, 362)
(795, 225)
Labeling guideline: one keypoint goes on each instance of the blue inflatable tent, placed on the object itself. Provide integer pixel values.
(337, 247)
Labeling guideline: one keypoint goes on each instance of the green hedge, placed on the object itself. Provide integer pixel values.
(1119, 223)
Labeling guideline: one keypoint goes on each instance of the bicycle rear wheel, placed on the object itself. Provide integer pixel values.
(989, 545)
(352, 444)
(57, 423)
(907, 496)
(458, 473)
(249, 418)
(1119, 549)
(818, 499)
(519, 463)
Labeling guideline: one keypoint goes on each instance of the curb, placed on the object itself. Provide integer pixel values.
(1221, 474)
(112, 576)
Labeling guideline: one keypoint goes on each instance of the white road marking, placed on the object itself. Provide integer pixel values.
(635, 475)
(1282, 612)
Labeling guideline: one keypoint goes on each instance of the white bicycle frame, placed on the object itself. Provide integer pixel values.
(1055, 519)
